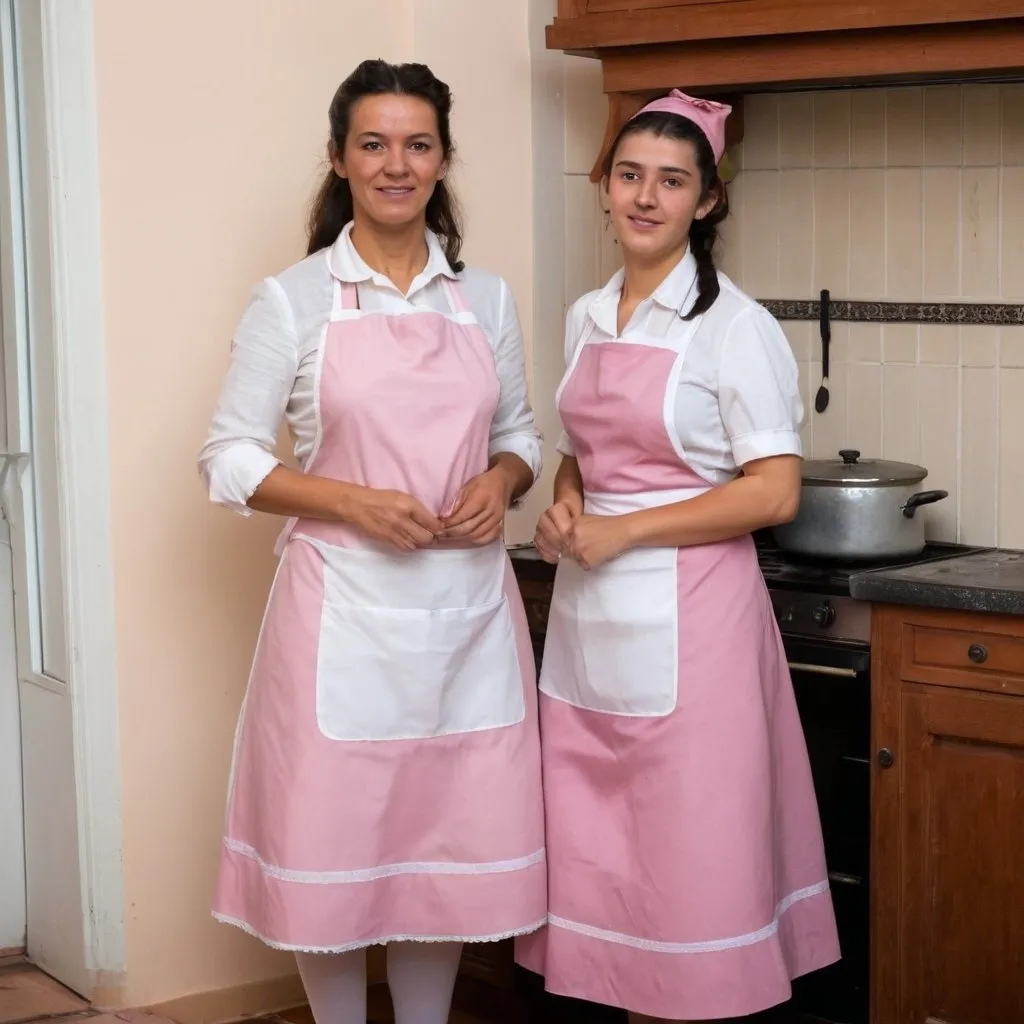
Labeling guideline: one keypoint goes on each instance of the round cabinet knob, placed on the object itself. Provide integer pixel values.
(824, 615)
(977, 653)
(885, 758)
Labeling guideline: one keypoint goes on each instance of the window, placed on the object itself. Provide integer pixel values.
(33, 497)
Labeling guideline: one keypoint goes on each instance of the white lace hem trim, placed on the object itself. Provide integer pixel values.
(385, 870)
(288, 947)
(711, 946)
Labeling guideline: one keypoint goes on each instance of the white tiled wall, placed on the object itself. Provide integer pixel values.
(899, 194)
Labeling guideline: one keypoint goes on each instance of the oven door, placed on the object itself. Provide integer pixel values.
(832, 682)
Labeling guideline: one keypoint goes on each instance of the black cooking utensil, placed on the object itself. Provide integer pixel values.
(821, 398)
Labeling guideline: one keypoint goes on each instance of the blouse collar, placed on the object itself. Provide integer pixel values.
(349, 267)
(673, 293)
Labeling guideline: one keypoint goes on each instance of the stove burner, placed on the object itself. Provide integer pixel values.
(783, 570)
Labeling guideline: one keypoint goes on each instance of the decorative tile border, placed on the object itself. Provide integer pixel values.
(984, 313)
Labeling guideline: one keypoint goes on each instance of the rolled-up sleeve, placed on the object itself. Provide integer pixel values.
(238, 453)
(513, 428)
(758, 389)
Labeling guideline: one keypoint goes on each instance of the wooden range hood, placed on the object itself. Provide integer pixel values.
(724, 48)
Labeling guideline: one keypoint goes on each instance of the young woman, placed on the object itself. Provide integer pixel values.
(686, 871)
(386, 778)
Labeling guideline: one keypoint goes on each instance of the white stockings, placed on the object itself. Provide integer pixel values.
(421, 976)
(335, 985)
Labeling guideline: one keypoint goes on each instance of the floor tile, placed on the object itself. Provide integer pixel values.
(297, 1015)
(126, 1017)
(26, 993)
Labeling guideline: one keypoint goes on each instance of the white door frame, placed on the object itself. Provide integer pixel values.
(64, 85)
(13, 921)
(12, 835)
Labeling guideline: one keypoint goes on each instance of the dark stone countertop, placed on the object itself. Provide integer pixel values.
(986, 581)
(989, 581)
(529, 565)
(523, 553)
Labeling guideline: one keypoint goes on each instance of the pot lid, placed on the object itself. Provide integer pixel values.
(851, 470)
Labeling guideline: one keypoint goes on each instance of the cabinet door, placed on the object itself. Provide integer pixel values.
(490, 962)
(959, 918)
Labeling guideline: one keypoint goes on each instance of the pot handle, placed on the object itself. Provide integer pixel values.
(915, 501)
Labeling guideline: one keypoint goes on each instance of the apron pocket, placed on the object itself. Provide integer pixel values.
(413, 673)
(612, 637)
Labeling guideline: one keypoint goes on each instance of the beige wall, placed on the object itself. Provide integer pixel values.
(902, 194)
(212, 122)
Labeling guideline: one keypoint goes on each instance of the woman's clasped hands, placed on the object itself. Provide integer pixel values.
(402, 522)
(565, 530)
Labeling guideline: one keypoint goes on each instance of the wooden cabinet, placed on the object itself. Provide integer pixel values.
(593, 25)
(492, 963)
(725, 48)
(948, 818)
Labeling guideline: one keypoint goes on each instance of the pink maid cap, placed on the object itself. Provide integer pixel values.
(707, 115)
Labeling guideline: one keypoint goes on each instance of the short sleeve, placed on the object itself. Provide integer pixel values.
(513, 428)
(759, 389)
(574, 327)
(238, 453)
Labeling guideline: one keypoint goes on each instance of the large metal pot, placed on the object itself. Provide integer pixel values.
(858, 510)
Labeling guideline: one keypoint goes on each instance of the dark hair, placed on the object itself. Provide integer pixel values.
(703, 232)
(332, 207)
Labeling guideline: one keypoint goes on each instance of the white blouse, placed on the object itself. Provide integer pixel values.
(274, 356)
(739, 395)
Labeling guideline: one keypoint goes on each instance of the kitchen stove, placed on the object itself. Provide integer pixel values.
(785, 571)
(827, 637)
(811, 596)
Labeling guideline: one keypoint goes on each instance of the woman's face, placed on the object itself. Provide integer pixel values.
(393, 158)
(654, 194)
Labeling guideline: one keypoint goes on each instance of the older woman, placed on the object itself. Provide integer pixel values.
(386, 782)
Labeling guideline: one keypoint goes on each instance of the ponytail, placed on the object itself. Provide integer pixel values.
(330, 211)
(703, 237)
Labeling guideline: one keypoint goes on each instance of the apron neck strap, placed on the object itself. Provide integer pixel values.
(454, 293)
(349, 295)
